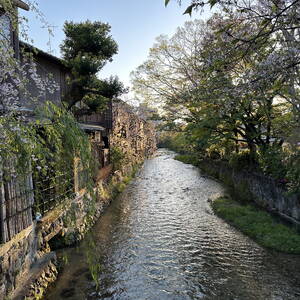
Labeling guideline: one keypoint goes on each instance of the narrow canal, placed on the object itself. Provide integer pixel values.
(160, 240)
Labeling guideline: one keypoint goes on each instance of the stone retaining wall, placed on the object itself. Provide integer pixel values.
(27, 262)
(134, 136)
(256, 187)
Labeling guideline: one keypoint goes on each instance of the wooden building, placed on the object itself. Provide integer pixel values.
(49, 68)
(19, 200)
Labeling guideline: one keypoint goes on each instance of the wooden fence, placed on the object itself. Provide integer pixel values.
(22, 197)
(16, 201)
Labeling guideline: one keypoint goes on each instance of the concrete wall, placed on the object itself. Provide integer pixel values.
(249, 186)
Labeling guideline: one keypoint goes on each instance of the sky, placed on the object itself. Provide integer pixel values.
(135, 25)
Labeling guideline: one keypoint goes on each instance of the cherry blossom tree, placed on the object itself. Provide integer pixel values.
(264, 21)
(15, 74)
(200, 75)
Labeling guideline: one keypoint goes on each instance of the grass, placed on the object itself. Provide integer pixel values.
(187, 159)
(259, 225)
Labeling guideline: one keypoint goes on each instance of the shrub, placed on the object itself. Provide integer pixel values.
(293, 172)
(117, 157)
(271, 161)
(188, 159)
(241, 160)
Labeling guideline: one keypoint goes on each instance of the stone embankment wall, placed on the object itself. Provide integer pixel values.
(249, 186)
(131, 134)
(28, 262)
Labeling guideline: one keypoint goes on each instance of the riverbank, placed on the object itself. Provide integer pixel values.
(258, 224)
(72, 223)
(160, 240)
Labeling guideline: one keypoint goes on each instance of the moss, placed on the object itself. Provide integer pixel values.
(120, 187)
(259, 225)
(188, 159)
(127, 179)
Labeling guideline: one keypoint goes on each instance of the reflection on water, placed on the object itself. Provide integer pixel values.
(160, 240)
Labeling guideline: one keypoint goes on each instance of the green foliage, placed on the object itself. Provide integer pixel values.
(188, 159)
(87, 47)
(117, 157)
(120, 187)
(259, 225)
(46, 147)
(62, 136)
(177, 142)
(50, 142)
(225, 95)
(293, 172)
(127, 179)
(190, 9)
(91, 38)
(242, 160)
(194, 5)
(272, 161)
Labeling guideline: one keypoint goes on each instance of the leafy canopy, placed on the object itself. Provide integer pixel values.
(88, 46)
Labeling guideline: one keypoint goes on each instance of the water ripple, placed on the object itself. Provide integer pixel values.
(160, 240)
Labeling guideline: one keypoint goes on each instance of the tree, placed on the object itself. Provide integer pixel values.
(171, 69)
(28, 143)
(86, 49)
(272, 19)
(201, 75)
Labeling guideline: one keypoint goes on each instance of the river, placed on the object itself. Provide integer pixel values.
(160, 240)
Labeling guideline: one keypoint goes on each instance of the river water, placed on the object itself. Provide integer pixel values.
(160, 240)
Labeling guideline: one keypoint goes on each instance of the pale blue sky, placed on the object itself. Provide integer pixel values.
(135, 25)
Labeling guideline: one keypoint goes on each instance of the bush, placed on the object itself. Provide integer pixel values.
(293, 172)
(176, 142)
(241, 160)
(271, 162)
(188, 159)
(117, 157)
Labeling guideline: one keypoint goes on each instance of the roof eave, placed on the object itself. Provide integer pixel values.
(21, 4)
(89, 127)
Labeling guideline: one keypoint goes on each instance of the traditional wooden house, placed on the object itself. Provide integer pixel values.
(99, 126)
(19, 202)
(49, 68)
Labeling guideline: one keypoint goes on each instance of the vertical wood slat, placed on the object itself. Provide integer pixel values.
(3, 226)
(19, 204)
(30, 198)
(12, 185)
(9, 199)
(16, 201)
